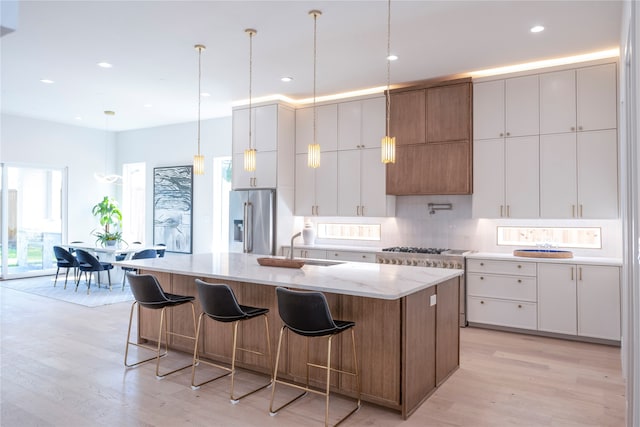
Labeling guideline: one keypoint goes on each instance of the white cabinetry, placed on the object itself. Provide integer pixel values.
(582, 300)
(578, 100)
(352, 256)
(579, 175)
(501, 293)
(506, 108)
(577, 161)
(316, 189)
(506, 177)
(304, 253)
(361, 174)
(326, 128)
(272, 134)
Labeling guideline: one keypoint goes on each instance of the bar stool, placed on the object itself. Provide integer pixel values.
(149, 294)
(307, 314)
(220, 304)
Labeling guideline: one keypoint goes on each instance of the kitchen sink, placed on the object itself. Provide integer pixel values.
(543, 253)
(321, 263)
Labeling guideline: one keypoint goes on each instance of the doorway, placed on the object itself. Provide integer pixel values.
(31, 219)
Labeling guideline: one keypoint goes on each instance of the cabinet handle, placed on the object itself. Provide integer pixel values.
(573, 211)
(508, 133)
(481, 277)
(571, 273)
(519, 266)
(519, 280)
(364, 256)
(482, 264)
(362, 210)
(481, 302)
(508, 211)
(501, 134)
(357, 210)
(581, 211)
(519, 305)
(579, 127)
(580, 273)
(573, 128)
(501, 215)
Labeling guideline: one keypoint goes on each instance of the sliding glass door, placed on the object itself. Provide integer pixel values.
(31, 210)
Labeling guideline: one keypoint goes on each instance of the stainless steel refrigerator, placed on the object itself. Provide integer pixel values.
(252, 221)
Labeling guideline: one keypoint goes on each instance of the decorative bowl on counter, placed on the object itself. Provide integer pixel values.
(281, 262)
(543, 253)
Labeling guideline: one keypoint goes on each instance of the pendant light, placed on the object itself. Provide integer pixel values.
(198, 159)
(250, 153)
(388, 146)
(313, 156)
(106, 178)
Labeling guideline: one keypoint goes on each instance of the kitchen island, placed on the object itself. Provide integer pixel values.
(406, 318)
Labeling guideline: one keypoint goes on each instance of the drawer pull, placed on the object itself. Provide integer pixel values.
(519, 266)
(482, 264)
(481, 277)
(519, 280)
(519, 305)
(481, 302)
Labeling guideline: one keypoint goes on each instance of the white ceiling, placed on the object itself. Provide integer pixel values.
(150, 44)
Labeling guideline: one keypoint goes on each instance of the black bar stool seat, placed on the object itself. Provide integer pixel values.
(307, 314)
(149, 294)
(219, 303)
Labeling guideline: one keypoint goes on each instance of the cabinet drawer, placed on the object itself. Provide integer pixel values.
(305, 253)
(514, 314)
(506, 287)
(352, 256)
(501, 267)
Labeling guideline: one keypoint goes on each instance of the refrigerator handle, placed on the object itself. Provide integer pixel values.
(247, 244)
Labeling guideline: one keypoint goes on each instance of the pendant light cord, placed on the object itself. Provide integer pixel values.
(251, 33)
(199, 92)
(315, 36)
(388, 66)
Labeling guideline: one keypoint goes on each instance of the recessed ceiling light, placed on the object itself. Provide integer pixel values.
(46, 81)
(148, 105)
(104, 65)
(286, 79)
(205, 94)
(537, 29)
(78, 118)
(392, 58)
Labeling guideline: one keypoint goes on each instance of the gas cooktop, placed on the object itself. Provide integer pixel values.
(415, 250)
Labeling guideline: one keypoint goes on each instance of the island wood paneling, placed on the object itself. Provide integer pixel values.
(395, 339)
(448, 335)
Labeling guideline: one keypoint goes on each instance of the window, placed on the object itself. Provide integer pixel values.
(133, 202)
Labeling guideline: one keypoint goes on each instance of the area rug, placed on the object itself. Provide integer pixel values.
(43, 286)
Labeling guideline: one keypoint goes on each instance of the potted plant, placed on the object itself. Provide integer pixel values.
(110, 218)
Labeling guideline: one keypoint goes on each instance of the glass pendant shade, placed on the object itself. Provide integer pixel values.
(250, 159)
(313, 156)
(198, 164)
(388, 149)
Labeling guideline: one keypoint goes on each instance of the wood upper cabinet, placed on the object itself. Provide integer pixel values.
(449, 113)
(408, 115)
(432, 126)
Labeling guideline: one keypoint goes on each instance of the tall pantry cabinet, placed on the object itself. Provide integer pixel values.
(545, 145)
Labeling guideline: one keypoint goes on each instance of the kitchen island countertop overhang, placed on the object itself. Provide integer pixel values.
(382, 281)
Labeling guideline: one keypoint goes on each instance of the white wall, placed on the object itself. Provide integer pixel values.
(175, 145)
(28, 141)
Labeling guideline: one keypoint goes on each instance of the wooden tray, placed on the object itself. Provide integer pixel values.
(542, 253)
(281, 262)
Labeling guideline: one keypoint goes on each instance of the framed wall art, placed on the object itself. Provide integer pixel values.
(173, 208)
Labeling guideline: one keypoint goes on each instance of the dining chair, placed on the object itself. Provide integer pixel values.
(65, 259)
(161, 251)
(144, 254)
(90, 264)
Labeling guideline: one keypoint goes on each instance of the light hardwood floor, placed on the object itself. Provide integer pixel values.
(61, 365)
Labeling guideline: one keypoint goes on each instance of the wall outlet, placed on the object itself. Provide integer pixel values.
(432, 300)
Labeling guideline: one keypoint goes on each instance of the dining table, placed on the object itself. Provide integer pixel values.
(109, 254)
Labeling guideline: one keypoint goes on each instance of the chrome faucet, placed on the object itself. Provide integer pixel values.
(291, 247)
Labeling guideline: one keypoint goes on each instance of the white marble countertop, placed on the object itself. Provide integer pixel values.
(381, 281)
(574, 260)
